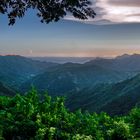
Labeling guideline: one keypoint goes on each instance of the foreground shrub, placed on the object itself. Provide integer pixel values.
(29, 118)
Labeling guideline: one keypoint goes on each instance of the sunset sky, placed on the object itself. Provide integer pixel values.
(114, 31)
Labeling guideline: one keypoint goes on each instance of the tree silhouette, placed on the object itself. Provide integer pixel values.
(47, 10)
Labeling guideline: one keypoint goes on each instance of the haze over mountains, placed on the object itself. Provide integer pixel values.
(101, 84)
(62, 60)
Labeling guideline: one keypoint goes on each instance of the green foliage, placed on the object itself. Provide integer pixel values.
(29, 118)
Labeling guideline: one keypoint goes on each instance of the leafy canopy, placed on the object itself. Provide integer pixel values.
(29, 118)
(47, 10)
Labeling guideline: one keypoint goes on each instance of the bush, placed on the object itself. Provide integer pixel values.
(29, 118)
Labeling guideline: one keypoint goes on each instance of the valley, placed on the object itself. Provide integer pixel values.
(101, 84)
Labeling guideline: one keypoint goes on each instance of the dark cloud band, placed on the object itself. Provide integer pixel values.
(132, 3)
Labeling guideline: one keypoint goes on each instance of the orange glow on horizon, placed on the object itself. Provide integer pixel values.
(97, 53)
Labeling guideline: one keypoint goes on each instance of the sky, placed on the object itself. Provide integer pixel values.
(114, 31)
(115, 11)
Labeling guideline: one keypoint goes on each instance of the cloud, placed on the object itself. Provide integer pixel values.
(125, 3)
(134, 15)
(114, 12)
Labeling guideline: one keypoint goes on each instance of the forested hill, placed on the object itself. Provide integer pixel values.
(115, 99)
(21, 72)
(70, 77)
(6, 91)
(14, 70)
(97, 85)
(127, 63)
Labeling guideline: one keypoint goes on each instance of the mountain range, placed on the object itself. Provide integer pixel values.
(101, 84)
(70, 77)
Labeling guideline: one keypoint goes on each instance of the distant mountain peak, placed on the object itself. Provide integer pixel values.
(123, 56)
(135, 54)
(13, 56)
(127, 56)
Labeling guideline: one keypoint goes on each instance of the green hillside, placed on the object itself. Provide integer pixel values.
(115, 99)
(127, 63)
(14, 70)
(72, 77)
(6, 91)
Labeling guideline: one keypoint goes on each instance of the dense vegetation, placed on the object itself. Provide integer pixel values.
(65, 78)
(115, 99)
(15, 70)
(29, 117)
(6, 91)
(72, 77)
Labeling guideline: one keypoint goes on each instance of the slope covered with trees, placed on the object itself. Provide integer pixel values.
(6, 91)
(14, 70)
(115, 99)
(71, 77)
(26, 117)
(127, 63)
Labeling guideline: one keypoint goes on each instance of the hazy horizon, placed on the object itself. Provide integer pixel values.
(30, 56)
(37, 56)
